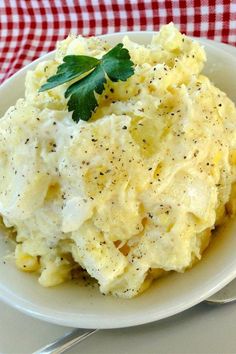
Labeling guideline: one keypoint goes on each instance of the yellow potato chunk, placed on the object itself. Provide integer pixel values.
(25, 261)
(54, 273)
(232, 157)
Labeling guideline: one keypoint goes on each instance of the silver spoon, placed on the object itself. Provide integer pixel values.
(225, 295)
(61, 345)
(69, 340)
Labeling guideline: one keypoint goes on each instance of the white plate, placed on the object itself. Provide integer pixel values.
(81, 307)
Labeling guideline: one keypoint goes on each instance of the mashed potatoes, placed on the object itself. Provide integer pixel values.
(135, 191)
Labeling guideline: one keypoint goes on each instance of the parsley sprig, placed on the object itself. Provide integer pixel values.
(114, 65)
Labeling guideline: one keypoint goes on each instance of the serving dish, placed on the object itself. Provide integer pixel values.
(78, 306)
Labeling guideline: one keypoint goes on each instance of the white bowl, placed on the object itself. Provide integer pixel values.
(73, 305)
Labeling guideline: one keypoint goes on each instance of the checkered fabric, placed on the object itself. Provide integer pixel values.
(30, 28)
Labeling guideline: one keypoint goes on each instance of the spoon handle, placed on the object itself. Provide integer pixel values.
(66, 342)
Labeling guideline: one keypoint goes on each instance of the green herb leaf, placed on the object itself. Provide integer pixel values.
(82, 94)
(115, 65)
(73, 66)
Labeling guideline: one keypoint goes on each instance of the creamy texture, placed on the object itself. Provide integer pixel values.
(134, 191)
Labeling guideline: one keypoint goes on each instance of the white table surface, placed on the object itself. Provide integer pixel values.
(204, 329)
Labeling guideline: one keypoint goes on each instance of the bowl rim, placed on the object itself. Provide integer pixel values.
(55, 317)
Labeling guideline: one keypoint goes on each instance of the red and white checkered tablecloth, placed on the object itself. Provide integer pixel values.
(30, 28)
